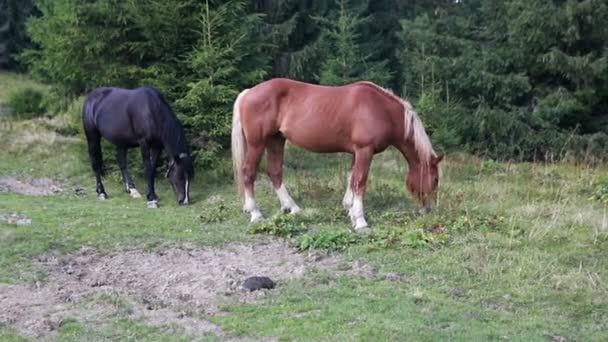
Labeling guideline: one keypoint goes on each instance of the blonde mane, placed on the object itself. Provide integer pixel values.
(412, 126)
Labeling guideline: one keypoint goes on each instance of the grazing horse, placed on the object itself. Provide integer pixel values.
(137, 117)
(359, 118)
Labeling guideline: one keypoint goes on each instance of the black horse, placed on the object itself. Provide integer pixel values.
(138, 117)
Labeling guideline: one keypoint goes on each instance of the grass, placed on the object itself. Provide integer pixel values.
(515, 251)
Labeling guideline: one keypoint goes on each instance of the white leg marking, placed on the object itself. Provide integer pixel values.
(152, 204)
(252, 208)
(134, 193)
(186, 199)
(357, 216)
(347, 201)
(287, 203)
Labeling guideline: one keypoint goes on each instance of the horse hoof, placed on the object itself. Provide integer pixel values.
(102, 197)
(152, 204)
(363, 230)
(424, 211)
(134, 193)
(292, 210)
(256, 217)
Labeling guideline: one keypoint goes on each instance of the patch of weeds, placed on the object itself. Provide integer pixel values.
(599, 192)
(281, 225)
(479, 222)
(215, 210)
(403, 229)
(489, 167)
(7, 335)
(404, 236)
(71, 327)
(398, 218)
(334, 240)
(121, 306)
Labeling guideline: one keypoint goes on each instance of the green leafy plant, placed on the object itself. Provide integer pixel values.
(472, 221)
(26, 102)
(600, 191)
(280, 225)
(327, 239)
(215, 210)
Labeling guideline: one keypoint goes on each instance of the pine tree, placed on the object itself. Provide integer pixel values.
(229, 57)
(82, 45)
(346, 61)
(13, 37)
(291, 28)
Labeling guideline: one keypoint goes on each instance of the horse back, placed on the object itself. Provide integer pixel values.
(125, 116)
(322, 118)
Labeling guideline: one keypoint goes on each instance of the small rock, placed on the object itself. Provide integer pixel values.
(256, 283)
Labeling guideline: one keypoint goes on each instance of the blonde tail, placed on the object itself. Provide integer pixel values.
(238, 144)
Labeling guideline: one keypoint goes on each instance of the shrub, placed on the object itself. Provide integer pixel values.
(27, 102)
(600, 191)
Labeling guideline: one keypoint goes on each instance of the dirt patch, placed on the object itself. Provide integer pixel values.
(174, 287)
(16, 219)
(31, 187)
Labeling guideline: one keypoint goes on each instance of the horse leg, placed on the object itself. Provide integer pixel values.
(274, 169)
(347, 201)
(121, 157)
(250, 169)
(363, 159)
(149, 157)
(94, 146)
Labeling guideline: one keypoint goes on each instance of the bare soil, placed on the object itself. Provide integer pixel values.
(31, 187)
(174, 287)
(15, 218)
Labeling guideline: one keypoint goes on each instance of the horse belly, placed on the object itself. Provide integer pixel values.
(318, 139)
(118, 132)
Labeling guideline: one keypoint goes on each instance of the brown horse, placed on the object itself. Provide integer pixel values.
(359, 118)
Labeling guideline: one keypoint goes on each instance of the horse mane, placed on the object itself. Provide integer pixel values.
(412, 125)
(172, 132)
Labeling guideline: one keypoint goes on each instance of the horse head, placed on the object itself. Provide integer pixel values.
(423, 182)
(180, 172)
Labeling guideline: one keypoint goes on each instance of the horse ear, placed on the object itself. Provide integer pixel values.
(438, 159)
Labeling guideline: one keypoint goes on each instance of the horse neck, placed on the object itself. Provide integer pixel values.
(408, 149)
(173, 137)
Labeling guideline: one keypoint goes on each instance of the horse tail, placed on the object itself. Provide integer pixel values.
(92, 134)
(238, 144)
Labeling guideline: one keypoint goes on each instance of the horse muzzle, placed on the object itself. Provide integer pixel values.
(428, 203)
